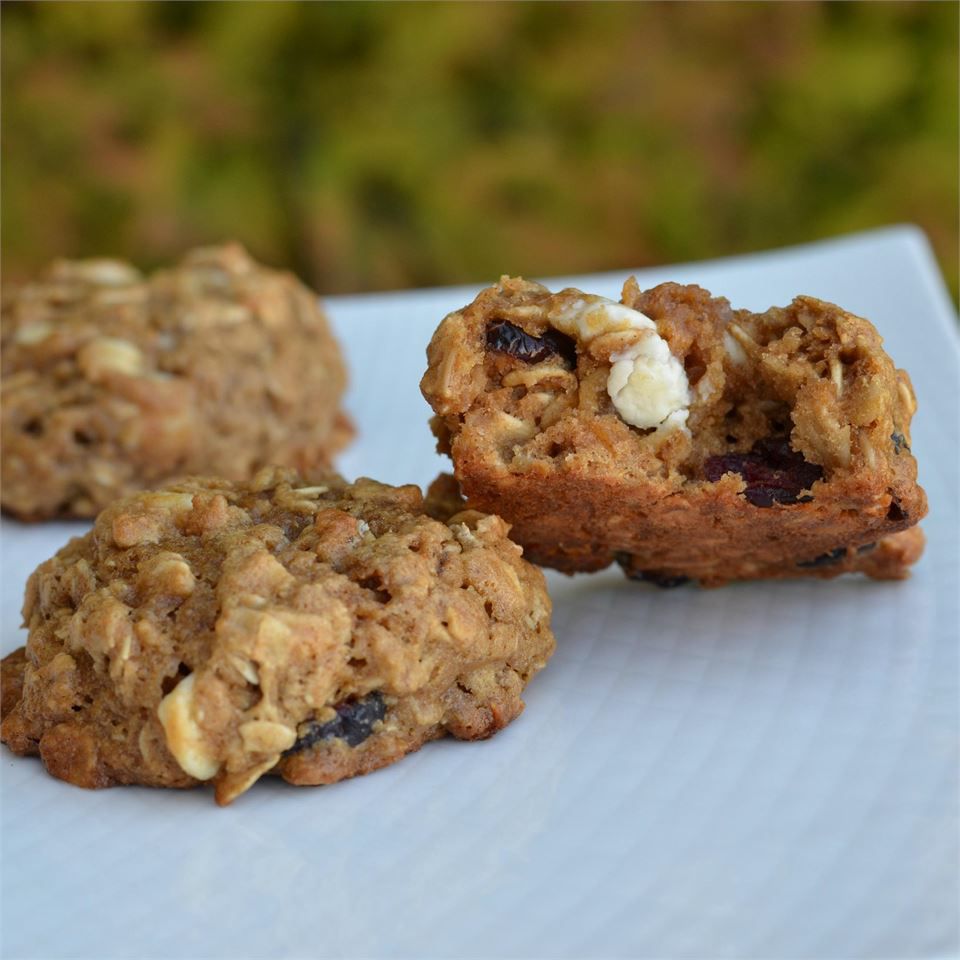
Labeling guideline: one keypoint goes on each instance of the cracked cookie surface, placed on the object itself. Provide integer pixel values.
(678, 436)
(114, 382)
(213, 631)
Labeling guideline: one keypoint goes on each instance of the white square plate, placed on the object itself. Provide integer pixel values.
(766, 770)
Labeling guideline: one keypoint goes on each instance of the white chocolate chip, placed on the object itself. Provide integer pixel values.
(109, 355)
(183, 734)
(31, 333)
(109, 273)
(102, 272)
(647, 383)
(649, 386)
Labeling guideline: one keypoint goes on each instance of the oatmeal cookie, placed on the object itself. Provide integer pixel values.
(114, 382)
(213, 631)
(677, 436)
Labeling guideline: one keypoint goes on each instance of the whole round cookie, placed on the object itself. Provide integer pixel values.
(213, 631)
(114, 382)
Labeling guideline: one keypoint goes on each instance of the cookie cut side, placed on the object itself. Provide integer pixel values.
(217, 632)
(677, 436)
(114, 382)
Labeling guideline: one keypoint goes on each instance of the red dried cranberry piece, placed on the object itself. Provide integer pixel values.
(666, 581)
(895, 512)
(774, 473)
(899, 443)
(354, 722)
(825, 559)
(505, 337)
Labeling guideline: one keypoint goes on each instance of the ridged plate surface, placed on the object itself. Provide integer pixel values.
(763, 771)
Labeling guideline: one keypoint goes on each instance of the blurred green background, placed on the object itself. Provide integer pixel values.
(372, 146)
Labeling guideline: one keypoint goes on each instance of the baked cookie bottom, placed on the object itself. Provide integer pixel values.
(712, 542)
(218, 632)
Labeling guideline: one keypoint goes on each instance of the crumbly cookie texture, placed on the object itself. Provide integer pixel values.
(677, 436)
(213, 631)
(114, 382)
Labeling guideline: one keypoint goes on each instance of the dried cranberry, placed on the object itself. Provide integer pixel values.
(662, 580)
(354, 722)
(666, 581)
(895, 512)
(504, 337)
(825, 559)
(774, 473)
(899, 443)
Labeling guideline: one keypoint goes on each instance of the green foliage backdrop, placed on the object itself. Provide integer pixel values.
(376, 145)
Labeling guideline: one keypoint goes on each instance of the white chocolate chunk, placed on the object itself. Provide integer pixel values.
(101, 272)
(647, 383)
(106, 355)
(183, 734)
(35, 332)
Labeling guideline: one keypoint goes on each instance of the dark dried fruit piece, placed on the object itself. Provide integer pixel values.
(899, 443)
(354, 722)
(825, 559)
(895, 512)
(666, 581)
(774, 473)
(505, 337)
(662, 580)
(866, 548)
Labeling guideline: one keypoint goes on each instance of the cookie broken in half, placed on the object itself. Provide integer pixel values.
(677, 436)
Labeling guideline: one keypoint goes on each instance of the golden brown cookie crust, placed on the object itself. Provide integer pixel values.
(114, 382)
(534, 436)
(219, 631)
